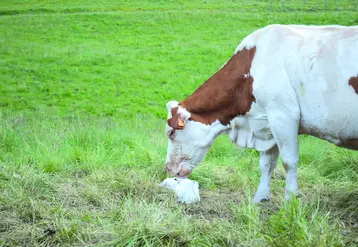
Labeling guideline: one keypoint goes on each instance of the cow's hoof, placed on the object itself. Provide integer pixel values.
(265, 200)
(260, 200)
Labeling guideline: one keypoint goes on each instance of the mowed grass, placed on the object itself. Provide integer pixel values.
(82, 143)
(9, 7)
(124, 63)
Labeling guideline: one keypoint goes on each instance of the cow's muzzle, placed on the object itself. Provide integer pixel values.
(184, 169)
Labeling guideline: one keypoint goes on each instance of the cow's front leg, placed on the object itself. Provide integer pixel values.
(285, 131)
(268, 162)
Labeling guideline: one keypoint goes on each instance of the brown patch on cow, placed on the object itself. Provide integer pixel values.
(353, 81)
(226, 94)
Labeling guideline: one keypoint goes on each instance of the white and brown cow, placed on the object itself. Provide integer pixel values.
(281, 81)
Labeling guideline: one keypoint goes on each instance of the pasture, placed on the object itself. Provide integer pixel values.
(83, 88)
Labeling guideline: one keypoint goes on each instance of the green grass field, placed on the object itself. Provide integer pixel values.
(83, 88)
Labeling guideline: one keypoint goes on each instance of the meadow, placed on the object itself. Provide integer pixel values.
(83, 88)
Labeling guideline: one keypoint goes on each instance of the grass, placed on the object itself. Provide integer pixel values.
(122, 63)
(82, 144)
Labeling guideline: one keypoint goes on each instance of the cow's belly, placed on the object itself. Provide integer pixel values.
(336, 122)
(350, 144)
(328, 103)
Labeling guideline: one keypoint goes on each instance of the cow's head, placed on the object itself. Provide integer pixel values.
(194, 124)
(189, 141)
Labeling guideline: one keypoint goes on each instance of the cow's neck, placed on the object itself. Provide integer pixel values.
(226, 94)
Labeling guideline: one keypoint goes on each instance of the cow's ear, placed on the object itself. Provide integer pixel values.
(171, 104)
(176, 122)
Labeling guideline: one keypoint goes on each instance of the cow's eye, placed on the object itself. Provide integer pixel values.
(171, 134)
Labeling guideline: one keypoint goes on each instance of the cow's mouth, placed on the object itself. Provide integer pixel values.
(178, 175)
(185, 169)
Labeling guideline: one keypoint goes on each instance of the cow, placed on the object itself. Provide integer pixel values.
(281, 81)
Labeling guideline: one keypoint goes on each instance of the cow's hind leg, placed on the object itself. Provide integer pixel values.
(268, 162)
(284, 128)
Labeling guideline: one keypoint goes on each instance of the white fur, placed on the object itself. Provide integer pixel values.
(301, 86)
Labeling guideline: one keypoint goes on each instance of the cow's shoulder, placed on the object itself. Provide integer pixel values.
(267, 35)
